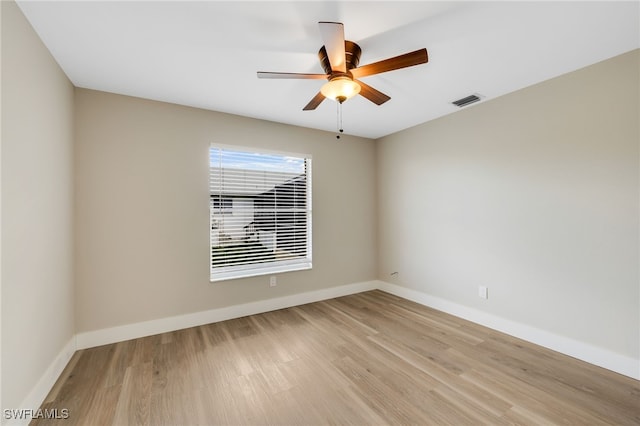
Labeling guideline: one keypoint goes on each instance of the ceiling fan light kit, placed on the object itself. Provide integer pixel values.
(340, 89)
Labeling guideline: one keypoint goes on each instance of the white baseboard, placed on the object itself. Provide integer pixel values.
(148, 328)
(36, 397)
(625, 365)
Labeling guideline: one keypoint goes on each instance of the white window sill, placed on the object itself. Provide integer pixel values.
(226, 275)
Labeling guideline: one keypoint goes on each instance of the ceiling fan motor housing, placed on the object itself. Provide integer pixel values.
(352, 57)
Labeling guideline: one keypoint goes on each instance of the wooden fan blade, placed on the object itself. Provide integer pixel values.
(375, 96)
(317, 99)
(333, 37)
(407, 60)
(263, 74)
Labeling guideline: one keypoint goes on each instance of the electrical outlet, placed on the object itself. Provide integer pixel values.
(483, 292)
(273, 281)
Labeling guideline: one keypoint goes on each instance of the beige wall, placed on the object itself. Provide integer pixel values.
(535, 195)
(37, 208)
(142, 218)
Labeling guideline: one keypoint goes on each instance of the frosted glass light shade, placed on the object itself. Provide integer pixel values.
(340, 89)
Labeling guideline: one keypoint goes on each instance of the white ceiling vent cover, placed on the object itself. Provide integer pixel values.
(467, 100)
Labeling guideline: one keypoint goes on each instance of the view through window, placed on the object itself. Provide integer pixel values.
(260, 212)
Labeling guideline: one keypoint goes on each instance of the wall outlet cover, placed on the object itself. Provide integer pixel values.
(483, 292)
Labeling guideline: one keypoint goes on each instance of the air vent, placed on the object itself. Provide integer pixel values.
(466, 101)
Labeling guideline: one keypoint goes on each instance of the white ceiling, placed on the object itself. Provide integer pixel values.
(206, 53)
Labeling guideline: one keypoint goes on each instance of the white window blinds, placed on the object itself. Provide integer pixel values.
(260, 212)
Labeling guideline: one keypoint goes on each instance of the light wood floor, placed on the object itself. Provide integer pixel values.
(370, 358)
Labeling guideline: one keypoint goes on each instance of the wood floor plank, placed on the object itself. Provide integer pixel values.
(368, 358)
(133, 403)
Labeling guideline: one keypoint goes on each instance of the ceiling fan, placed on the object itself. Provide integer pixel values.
(339, 59)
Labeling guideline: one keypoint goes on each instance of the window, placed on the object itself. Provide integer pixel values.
(260, 212)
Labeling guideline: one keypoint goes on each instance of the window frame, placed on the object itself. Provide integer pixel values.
(225, 273)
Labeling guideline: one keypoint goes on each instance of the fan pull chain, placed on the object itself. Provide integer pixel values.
(339, 119)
